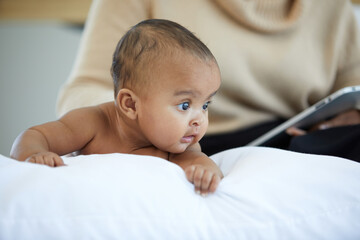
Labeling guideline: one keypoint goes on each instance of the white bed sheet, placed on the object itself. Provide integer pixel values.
(265, 194)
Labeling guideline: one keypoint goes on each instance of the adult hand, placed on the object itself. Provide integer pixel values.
(346, 118)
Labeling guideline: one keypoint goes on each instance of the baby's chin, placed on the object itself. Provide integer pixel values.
(182, 148)
(176, 149)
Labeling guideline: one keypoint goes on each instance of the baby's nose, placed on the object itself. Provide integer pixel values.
(197, 120)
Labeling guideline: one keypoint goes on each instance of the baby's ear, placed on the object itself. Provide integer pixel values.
(126, 101)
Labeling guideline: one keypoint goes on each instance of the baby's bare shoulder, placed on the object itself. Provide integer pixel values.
(93, 115)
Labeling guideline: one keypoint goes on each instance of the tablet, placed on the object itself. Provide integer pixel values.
(344, 99)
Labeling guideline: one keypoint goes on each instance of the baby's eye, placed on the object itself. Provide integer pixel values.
(184, 106)
(206, 105)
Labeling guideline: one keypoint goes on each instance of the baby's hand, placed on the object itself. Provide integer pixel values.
(47, 158)
(205, 179)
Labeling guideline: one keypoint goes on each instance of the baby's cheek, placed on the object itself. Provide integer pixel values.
(205, 125)
(203, 130)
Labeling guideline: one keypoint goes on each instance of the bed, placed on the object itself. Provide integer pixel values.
(265, 194)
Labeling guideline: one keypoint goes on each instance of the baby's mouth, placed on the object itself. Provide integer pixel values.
(187, 139)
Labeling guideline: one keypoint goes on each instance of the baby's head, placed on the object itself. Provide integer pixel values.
(146, 45)
(164, 79)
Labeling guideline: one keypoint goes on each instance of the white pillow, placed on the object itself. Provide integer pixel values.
(265, 194)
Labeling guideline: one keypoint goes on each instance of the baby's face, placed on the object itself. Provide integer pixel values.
(173, 113)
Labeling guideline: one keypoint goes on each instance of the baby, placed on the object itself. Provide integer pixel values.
(164, 80)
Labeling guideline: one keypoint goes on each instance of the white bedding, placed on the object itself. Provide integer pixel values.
(265, 194)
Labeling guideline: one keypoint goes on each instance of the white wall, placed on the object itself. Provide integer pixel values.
(35, 60)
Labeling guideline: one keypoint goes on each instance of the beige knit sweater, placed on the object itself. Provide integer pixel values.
(276, 57)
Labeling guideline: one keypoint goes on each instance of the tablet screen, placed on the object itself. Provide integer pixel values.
(342, 100)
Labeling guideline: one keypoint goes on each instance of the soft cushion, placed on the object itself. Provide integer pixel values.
(265, 194)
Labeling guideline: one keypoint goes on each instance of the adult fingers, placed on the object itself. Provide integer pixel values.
(350, 117)
(294, 131)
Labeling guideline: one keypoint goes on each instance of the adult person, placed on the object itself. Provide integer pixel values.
(276, 59)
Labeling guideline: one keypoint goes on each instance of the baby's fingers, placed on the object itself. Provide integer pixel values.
(215, 181)
(53, 160)
(58, 161)
(31, 160)
(38, 159)
(189, 172)
(49, 159)
(205, 182)
(198, 176)
(194, 175)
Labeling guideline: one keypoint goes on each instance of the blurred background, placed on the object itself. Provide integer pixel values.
(38, 45)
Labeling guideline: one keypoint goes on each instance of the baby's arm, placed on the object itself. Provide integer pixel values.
(199, 169)
(32, 146)
(44, 143)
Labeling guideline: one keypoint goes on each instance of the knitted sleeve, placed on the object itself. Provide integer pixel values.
(348, 45)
